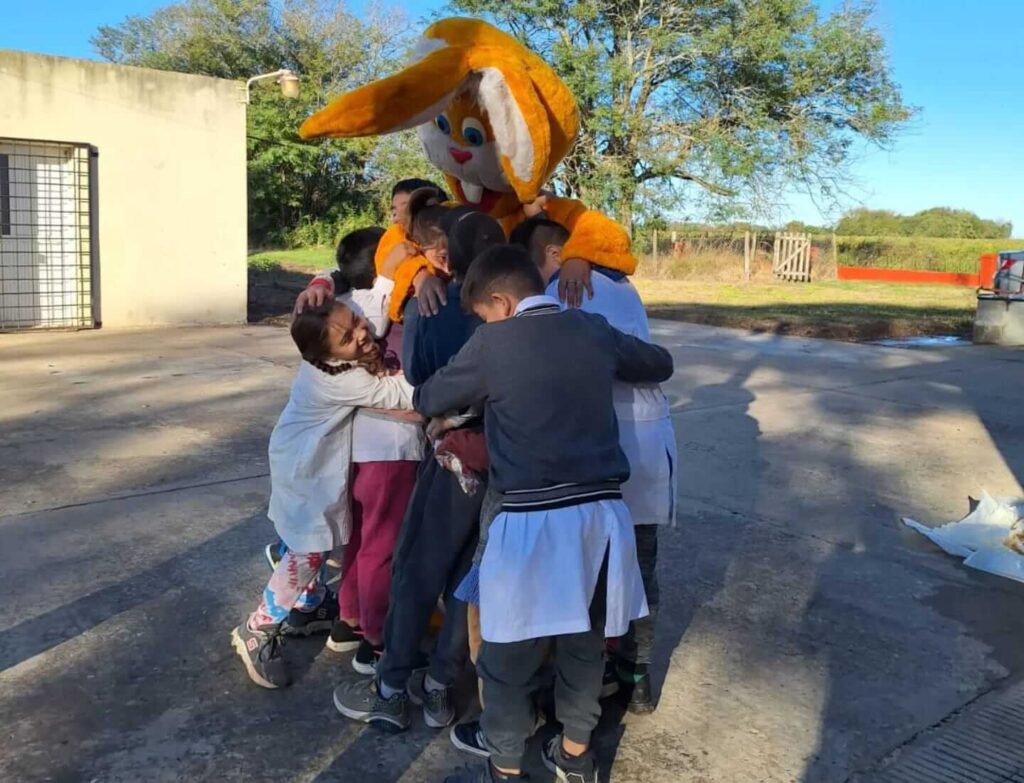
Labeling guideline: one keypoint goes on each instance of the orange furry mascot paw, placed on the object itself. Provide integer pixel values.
(495, 119)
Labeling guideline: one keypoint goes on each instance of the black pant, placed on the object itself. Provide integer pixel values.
(433, 553)
(638, 643)
(510, 675)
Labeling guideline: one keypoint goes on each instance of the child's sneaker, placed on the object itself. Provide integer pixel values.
(438, 710)
(273, 554)
(320, 620)
(568, 769)
(366, 657)
(363, 702)
(486, 774)
(469, 737)
(260, 651)
(344, 637)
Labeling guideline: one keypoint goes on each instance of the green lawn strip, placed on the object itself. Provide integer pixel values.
(847, 311)
(310, 259)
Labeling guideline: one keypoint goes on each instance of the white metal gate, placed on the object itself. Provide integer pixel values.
(792, 257)
(48, 240)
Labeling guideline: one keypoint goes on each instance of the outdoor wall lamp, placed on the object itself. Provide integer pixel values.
(288, 79)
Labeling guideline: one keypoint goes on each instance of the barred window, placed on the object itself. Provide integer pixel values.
(5, 195)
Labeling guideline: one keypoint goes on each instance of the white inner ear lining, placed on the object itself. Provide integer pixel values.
(511, 134)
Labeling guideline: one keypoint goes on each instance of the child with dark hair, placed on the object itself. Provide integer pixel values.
(392, 249)
(648, 440)
(400, 196)
(387, 448)
(439, 532)
(343, 369)
(424, 226)
(559, 572)
(354, 259)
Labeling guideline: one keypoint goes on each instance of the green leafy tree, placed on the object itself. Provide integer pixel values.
(934, 222)
(298, 192)
(737, 97)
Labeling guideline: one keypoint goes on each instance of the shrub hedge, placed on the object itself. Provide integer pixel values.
(931, 253)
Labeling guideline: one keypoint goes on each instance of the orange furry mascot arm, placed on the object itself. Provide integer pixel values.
(395, 261)
(405, 277)
(389, 243)
(592, 236)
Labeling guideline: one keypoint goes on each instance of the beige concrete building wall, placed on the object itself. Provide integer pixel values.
(172, 180)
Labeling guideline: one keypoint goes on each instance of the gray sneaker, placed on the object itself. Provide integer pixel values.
(361, 701)
(438, 710)
(260, 651)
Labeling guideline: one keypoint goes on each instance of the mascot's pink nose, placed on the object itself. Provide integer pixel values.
(460, 156)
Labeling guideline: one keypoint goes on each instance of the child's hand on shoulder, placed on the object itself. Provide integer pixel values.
(573, 280)
(431, 294)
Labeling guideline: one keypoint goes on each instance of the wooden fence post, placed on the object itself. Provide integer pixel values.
(753, 253)
(747, 255)
(654, 252)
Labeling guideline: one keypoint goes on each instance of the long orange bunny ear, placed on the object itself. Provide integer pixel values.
(522, 129)
(414, 95)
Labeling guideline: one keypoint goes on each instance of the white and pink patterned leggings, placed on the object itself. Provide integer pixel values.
(295, 584)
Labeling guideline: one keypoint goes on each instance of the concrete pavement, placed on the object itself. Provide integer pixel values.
(804, 636)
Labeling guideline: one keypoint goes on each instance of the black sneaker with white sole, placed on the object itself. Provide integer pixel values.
(469, 738)
(260, 651)
(344, 638)
(438, 707)
(363, 702)
(366, 657)
(568, 769)
(320, 620)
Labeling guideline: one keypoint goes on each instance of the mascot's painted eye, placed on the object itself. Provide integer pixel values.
(443, 125)
(473, 132)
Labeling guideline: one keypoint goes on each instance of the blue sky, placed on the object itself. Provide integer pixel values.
(960, 63)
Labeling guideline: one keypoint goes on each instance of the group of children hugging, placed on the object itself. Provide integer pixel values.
(477, 441)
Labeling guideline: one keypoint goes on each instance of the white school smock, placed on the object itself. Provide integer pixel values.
(377, 438)
(311, 452)
(540, 568)
(646, 434)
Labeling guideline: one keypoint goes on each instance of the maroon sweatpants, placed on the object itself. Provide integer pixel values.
(380, 494)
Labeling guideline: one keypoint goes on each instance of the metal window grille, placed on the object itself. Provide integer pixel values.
(48, 235)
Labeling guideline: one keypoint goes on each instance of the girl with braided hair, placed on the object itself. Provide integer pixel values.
(343, 369)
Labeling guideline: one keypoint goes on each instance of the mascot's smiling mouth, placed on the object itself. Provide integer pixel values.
(478, 196)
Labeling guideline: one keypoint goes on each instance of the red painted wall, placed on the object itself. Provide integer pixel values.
(908, 276)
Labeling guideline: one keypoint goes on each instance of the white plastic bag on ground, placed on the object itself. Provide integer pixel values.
(983, 537)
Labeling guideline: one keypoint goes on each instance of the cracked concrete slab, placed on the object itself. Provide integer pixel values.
(804, 635)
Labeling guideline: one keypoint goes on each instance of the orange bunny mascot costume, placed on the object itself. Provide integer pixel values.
(495, 119)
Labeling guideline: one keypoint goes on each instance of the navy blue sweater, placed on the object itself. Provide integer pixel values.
(429, 343)
(546, 377)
